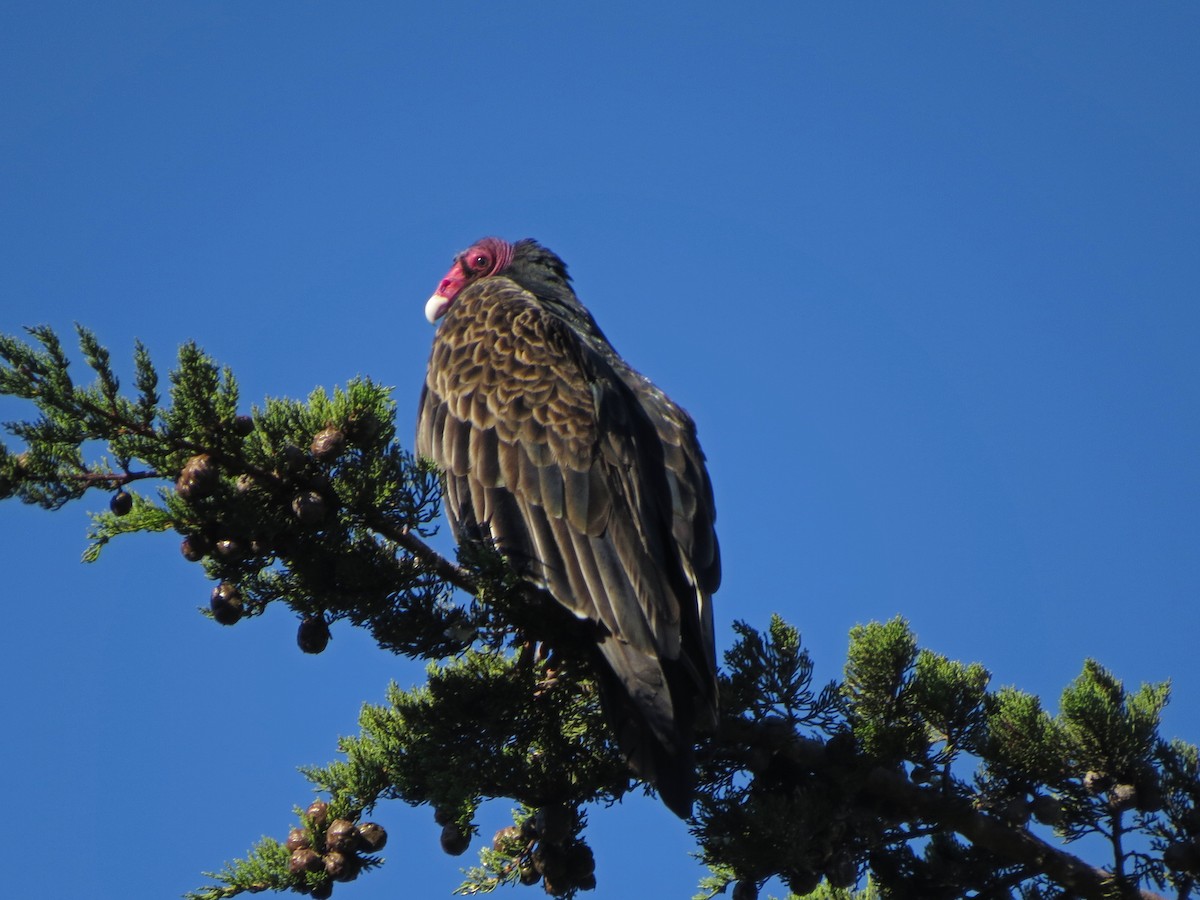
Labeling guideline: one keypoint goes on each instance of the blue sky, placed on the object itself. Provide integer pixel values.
(926, 277)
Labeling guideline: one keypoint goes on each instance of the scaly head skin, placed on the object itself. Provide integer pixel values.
(488, 256)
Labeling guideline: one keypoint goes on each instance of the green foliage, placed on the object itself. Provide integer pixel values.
(910, 778)
(51, 471)
(1025, 745)
(1108, 730)
(910, 704)
(527, 852)
(949, 697)
(825, 892)
(1112, 748)
(143, 515)
(526, 729)
(278, 522)
(261, 870)
(204, 404)
(756, 818)
(877, 686)
(771, 676)
(268, 866)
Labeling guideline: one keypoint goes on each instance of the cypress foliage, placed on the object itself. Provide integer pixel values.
(909, 778)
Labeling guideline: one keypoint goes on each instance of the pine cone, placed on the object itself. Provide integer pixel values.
(372, 837)
(121, 503)
(298, 839)
(1122, 797)
(328, 444)
(313, 635)
(506, 838)
(554, 823)
(528, 871)
(341, 836)
(318, 812)
(454, 841)
(195, 547)
(310, 508)
(305, 859)
(226, 604)
(580, 861)
(231, 548)
(341, 866)
(198, 478)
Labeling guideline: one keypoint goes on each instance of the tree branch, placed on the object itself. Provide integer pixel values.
(1010, 842)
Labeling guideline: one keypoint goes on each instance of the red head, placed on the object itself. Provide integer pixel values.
(489, 256)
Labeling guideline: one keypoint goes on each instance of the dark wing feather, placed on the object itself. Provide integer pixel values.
(595, 487)
(692, 512)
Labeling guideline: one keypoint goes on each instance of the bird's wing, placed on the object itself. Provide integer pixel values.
(692, 508)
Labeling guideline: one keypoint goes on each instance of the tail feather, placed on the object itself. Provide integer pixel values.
(650, 703)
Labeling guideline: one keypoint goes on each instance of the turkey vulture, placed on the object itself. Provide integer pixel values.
(590, 480)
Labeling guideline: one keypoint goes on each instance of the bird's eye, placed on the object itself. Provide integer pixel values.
(481, 262)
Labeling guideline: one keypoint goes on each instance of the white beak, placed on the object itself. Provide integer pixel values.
(436, 306)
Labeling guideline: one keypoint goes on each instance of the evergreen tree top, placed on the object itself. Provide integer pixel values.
(911, 776)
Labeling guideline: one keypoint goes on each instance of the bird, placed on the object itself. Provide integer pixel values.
(590, 481)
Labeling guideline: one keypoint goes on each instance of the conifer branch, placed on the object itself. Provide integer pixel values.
(315, 505)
